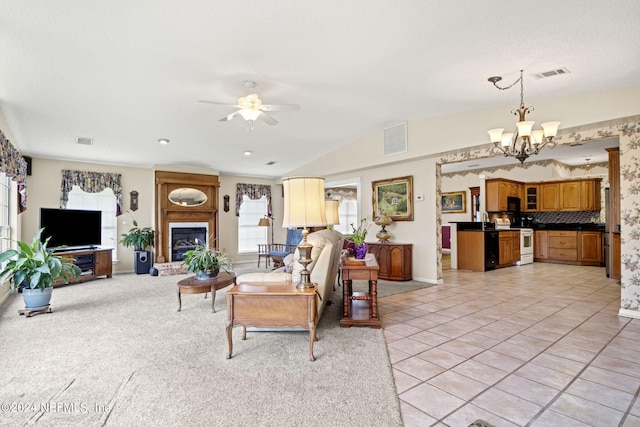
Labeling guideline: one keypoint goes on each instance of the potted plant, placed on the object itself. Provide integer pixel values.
(206, 262)
(358, 237)
(140, 239)
(33, 268)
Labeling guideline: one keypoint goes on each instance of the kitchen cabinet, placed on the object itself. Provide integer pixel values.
(531, 192)
(509, 248)
(540, 245)
(497, 191)
(569, 193)
(563, 245)
(549, 197)
(590, 195)
(590, 246)
(394, 260)
(578, 247)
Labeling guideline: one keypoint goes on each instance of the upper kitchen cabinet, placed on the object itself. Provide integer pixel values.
(590, 194)
(498, 191)
(531, 194)
(549, 197)
(570, 196)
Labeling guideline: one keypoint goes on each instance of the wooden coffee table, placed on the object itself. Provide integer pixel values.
(272, 305)
(191, 285)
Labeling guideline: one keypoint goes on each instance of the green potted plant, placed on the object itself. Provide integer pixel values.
(205, 262)
(140, 239)
(358, 236)
(33, 268)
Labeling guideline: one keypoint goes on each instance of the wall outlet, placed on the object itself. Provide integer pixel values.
(420, 198)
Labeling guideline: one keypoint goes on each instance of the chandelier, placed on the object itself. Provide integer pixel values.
(524, 142)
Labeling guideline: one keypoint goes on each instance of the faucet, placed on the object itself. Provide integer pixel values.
(485, 219)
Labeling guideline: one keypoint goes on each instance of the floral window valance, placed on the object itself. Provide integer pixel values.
(254, 192)
(91, 182)
(13, 165)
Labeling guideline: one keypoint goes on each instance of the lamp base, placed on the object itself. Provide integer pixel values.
(304, 251)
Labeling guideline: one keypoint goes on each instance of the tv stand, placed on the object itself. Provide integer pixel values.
(93, 263)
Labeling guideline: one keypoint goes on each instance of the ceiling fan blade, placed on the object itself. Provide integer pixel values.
(229, 116)
(279, 107)
(217, 103)
(267, 119)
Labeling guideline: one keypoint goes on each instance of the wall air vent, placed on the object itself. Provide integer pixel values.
(551, 73)
(84, 141)
(395, 139)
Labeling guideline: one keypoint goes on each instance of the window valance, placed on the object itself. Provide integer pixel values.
(14, 166)
(254, 192)
(91, 182)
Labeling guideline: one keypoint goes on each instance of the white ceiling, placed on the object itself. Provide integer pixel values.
(127, 73)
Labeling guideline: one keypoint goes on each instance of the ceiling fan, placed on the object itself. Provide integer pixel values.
(251, 108)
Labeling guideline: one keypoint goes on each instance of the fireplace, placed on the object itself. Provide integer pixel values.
(183, 237)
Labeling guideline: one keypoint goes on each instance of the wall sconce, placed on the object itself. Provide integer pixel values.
(226, 203)
(133, 204)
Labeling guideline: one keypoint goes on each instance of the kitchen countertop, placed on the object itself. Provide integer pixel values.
(589, 226)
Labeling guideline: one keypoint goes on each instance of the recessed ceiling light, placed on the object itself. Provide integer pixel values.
(163, 141)
(248, 153)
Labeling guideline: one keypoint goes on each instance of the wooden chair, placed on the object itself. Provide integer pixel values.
(278, 251)
(264, 252)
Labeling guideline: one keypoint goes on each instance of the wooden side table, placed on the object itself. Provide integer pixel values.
(191, 285)
(359, 308)
(271, 305)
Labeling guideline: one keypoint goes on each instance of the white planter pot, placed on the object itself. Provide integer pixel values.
(35, 299)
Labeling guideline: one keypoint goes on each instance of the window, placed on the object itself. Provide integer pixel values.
(5, 226)
(250, 234)
(348, 212)
(104, 201)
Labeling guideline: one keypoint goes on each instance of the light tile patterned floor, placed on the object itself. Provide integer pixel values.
(533, 345)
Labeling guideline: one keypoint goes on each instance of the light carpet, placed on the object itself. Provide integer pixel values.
(117, 352)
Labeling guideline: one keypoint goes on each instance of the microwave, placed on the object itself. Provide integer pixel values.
(513, 204)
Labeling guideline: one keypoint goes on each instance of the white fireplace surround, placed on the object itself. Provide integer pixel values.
(174, 225)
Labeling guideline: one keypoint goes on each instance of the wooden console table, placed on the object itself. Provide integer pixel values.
(360, 309)
(271, 305)
(191, 285)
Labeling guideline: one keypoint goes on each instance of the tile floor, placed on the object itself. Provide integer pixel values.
(534, 345)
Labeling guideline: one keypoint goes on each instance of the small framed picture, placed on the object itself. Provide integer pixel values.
(454, 202)
(394, 197)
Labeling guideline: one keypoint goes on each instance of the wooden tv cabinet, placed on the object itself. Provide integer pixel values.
(93, 263)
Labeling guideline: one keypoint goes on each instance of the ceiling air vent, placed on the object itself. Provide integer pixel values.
(270, 163)
(84, 141)
(551, 73)
(395, 139)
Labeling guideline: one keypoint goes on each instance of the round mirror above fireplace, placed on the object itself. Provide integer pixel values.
(187, 197)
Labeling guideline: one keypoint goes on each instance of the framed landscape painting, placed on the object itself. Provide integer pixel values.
(394, 197)
(454, 202)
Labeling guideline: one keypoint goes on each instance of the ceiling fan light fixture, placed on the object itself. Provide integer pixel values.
(249, 114)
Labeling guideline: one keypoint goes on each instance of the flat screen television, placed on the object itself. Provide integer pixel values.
(71, 227)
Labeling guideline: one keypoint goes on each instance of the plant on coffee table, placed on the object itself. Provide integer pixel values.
(206, 262)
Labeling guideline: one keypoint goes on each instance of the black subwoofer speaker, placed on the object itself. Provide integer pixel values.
(143, 262)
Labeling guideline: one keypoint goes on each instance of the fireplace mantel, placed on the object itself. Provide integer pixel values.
(168, 212)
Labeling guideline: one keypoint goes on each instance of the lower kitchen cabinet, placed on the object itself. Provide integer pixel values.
(569, 247)
(509, 252)
(394, 260)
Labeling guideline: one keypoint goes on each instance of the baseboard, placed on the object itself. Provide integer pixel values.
(634, 314)
(430, 281)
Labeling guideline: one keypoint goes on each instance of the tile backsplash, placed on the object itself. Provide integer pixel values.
(565, 217)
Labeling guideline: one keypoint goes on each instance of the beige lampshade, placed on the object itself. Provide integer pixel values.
(264, 222)
(304, 204)
(333, 217)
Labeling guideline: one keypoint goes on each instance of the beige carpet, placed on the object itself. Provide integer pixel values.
(116, 352)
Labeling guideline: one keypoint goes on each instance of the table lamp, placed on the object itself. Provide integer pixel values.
(304, 206)
(333, 217)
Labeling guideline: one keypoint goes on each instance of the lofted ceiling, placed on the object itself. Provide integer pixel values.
(128, 73)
